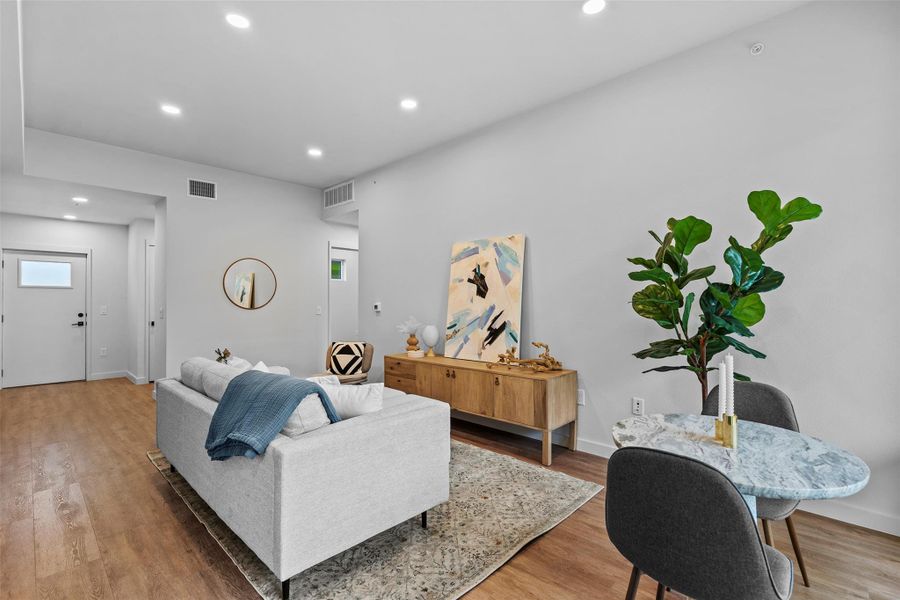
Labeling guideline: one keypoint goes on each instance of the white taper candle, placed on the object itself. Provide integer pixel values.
(723, 390)
(729, 375)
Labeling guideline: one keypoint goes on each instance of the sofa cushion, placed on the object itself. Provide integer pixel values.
(308, 416)
(215, 379)
(355, 400)
(192, 372)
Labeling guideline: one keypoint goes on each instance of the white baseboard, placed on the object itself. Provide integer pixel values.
(107, 375)
(596, 448)
(841, 510)
(135, 379)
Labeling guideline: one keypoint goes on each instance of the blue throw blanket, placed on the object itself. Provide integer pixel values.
(254, 409)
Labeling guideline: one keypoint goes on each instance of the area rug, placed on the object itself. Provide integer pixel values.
(497, 505)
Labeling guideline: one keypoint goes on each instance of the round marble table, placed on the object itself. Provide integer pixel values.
(769, 462)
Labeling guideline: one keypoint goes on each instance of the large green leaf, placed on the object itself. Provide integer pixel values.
(728, 324)
(749, 310)
(742, 347)
(689, 232)
(746, 264)
(643, 262)
(663, 246)
(657, 274)
(685, 315)
(766, 205)
(714, 299)
(798, 209)
(713, 346)
(695, 274)
(661, 349)
(768, 280)
(665, 369)
(676, 262)
(654, 302)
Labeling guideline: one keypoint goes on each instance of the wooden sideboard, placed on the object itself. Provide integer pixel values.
(542, 401)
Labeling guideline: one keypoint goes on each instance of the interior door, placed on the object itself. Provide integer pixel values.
(44, 318)
(343, 295)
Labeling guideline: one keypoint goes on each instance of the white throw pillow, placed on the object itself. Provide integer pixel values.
(325, 380)
(308, 416)
(215, 379)
(261, 366)
(355, 400)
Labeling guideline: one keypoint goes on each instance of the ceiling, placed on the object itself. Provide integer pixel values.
(331, 74)
(50, 198)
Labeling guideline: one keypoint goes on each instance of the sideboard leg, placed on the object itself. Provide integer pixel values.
(285, 589)
(425, 519)
(547, 448)
(573, 435)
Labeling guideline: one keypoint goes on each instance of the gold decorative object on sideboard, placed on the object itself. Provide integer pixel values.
(544, 362)
(544, 400)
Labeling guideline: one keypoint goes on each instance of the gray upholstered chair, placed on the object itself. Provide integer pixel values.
(763, 403)
(684, 524)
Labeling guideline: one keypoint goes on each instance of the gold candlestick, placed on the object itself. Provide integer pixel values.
(719, 429)
(730, 431)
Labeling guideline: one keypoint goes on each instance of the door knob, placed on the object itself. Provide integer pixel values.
(448, 373)
(454, 375)
(78, 324)
(80, 315)
(496, 381)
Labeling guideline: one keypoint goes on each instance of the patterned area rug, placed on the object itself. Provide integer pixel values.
(497, 505)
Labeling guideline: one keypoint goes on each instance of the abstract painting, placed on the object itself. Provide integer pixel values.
(484, 305)
(243, 290)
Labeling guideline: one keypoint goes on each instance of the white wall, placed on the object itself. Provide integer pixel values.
(275, 221)
(109, 272)
(140, 232)
(815, 115)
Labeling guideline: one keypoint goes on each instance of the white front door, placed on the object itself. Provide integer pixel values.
(44, 318)
(156, 369)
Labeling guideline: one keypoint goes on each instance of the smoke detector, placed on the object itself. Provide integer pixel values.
(757, 49)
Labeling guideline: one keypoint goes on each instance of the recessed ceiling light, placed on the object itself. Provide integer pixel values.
(314, 152)
(409, 104)
(236, 20)
(592, 7)
(79, 200)
(170, 109)
(70, 217)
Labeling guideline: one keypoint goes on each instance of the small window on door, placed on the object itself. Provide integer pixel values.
(45, 274)
(338, 269)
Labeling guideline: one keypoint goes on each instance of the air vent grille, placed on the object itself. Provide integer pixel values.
(201, 189)
(338, 194)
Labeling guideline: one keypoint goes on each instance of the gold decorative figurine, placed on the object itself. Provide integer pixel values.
(544, 362)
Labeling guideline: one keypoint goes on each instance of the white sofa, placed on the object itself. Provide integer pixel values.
(314, 496)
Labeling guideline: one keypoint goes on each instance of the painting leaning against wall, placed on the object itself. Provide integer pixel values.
(484, 303)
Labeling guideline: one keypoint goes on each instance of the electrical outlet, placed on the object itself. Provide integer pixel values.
(580, 397)
(104, 309)
(103, 351)
(637, 406)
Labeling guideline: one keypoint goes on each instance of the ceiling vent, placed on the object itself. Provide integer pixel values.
(338, 194)
(201, 189)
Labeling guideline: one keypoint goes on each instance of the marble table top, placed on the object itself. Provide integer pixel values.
(769, 462)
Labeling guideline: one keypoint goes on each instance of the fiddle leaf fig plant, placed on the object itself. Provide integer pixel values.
(727, 309)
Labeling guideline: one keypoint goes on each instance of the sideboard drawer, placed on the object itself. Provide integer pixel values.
(399, 368)
(403, 384)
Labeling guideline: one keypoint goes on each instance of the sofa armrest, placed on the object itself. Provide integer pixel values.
(340, 485)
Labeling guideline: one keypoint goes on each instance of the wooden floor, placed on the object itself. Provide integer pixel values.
(83, 514)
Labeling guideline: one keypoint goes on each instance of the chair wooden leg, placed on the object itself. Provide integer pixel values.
(660, 592)
(633, 584)
(767, 531)
(796, 544)
(286, 589)
(425, 519)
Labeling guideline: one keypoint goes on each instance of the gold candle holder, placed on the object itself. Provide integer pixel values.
(730, 431)
(719, 429)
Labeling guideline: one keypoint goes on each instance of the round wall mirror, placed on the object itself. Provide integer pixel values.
(249, 283)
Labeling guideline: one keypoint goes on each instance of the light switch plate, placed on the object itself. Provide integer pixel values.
(104, 309)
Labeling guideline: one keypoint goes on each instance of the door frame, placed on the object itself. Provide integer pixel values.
(88, 300)
(332, 246)
(148, 302)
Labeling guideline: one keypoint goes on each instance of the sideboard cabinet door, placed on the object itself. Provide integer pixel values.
(519, 400)
(472, 392)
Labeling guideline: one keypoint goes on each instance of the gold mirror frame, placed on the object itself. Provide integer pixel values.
(225, 287)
